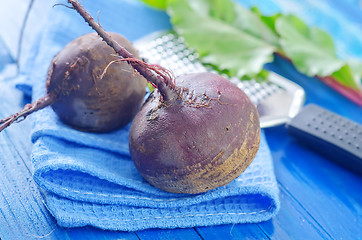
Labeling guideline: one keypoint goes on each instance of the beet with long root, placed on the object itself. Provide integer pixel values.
(86, 90)
(93, 94)
(194, 133)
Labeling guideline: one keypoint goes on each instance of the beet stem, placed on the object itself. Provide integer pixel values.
(163, 82)
(26, 111)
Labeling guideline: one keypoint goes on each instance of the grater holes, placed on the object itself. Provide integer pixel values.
(180, 39)
(159, 41)
(170, 51)
(187, 52)
(160, 49)
(193, 57)
(169, 37)
(170, 45)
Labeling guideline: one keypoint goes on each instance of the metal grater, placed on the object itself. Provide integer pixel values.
(277, 100)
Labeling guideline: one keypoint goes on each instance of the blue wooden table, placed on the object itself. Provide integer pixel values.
(319, 199)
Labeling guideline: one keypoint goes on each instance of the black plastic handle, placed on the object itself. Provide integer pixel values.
(330, 134)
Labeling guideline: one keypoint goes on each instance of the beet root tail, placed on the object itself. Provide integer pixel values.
(26, 111)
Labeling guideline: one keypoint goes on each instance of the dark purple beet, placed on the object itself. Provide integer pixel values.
(85, 100)
(202, 140)
(89, 88)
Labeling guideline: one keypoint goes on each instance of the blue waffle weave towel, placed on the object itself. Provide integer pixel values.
(90, 179)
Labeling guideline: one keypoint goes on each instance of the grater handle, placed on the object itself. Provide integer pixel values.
(330, 134)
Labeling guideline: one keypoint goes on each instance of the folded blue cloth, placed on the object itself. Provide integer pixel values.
(90, 179)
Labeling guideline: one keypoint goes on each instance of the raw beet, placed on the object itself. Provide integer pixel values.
(86, 101)
(203, 140)
(89, 88)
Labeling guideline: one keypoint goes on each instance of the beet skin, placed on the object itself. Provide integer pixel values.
(201, 140)
(86, 101)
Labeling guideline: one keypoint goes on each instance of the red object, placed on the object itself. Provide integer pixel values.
(350, 93)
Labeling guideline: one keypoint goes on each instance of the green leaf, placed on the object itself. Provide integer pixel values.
(159, 4)
(239, 41)
(268, 20)
(310, 49)
(345, 76)
(251, 23)
(356, 67)
(224, 34)
(150, 87)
